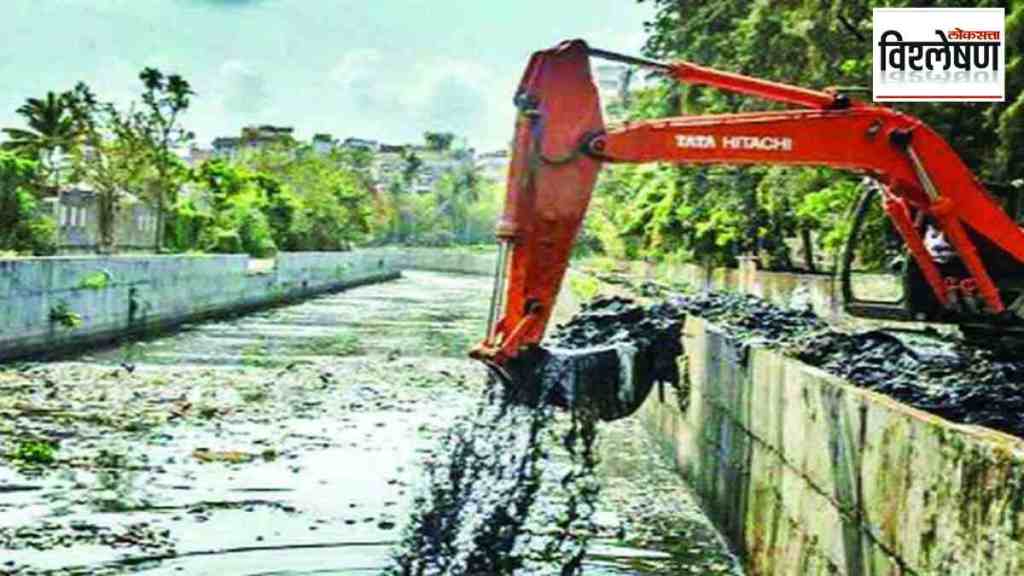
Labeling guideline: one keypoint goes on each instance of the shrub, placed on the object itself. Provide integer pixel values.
(24, 228)
(35, 452)
(225, 241)
(254, 232)
(40, 237)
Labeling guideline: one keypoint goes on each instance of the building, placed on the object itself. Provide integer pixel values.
(613, 85)
(493, 165)
(227, 147)
(77, 219)
(253, 138)
(390, 163)
(267, 135)
(197, 155)
(324, 144)
(371, 145)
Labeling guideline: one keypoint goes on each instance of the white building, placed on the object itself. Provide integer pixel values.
(390, 163)
(324, 144)
(614, 82)
(493, 165)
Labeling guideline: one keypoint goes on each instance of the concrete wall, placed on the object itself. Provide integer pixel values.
(443, 260)
(807, 474)
(114, 296)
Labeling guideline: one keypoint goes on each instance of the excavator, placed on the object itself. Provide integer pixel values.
(925, 189)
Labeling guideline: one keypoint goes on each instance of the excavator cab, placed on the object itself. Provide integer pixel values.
(903, 293)
(922, 186)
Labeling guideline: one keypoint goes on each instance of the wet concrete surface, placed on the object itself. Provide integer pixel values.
(289, 441)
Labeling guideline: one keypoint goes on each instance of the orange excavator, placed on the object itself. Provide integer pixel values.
(561, 142)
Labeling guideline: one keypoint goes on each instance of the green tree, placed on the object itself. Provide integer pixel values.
(164, 99)
(439, 141)
(237, 219)
(456, 192)
(51, 132)
(337, 204)
(23, 226)
(112, 160)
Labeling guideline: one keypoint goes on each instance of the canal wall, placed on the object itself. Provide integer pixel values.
(454, 261)
(52, 304)
(807, 474)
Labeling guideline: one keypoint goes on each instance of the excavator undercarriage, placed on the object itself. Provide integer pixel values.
(923, 186)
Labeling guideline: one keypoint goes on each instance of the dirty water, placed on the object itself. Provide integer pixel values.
(534, 506)
(286, 442)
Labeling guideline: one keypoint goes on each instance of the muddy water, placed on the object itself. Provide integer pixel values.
(285, 442)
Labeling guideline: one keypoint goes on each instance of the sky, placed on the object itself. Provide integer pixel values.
(381, 69)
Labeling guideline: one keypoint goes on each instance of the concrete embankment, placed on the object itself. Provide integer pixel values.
(54, 303)
(441, 260)
(808, 474)
(49, 304)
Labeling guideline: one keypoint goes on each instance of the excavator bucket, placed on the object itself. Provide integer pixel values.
(605, 360)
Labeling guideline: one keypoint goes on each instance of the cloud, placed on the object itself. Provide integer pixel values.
(449, 94)
(356, 65)
(244, 89)
(227, 3)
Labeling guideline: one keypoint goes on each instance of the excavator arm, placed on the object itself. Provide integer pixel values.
(561, 142)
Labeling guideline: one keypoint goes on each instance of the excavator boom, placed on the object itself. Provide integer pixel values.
(561, 143)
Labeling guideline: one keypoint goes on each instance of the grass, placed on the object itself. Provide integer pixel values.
(584, 287)
(95, 281)
(346, 344)
(35, 452)
(63, 315)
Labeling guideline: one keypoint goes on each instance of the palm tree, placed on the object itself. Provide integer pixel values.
(52, 130)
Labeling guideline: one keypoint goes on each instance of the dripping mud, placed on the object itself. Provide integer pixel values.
(517, 490)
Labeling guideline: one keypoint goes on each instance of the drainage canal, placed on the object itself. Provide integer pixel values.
(296, 441)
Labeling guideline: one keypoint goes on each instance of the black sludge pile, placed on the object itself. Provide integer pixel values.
(512, 488)
(604, 361)
(952, 379)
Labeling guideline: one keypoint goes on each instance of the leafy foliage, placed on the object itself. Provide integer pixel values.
(52, 130)
(35, 452)
(165, 99)
(439, 140)
(112, 159)
(714, 214)
(24, 228)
